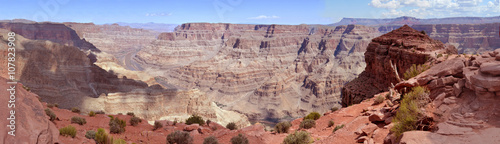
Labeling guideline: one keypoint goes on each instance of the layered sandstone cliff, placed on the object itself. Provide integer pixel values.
(263, 71)
(66, 75)
(387, 58)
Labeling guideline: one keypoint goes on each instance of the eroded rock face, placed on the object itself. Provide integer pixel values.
(31, 123)
(387, 58)
(58, 33)
(467, 38)
(65, 75)
(263, 71)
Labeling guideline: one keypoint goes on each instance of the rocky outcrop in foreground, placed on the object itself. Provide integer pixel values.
(29, 124)
(387, 58)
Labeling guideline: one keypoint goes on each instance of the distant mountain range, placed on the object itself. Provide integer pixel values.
(412, 20)
(160, 27)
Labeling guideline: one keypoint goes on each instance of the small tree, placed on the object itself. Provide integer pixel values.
(179, 137)
(134, 121)
(195, 119)
(210, 140)
(117, 125)
(313, 116)
(231, 126)
(307, 124)
(298, 137)
(282, 127)
(157, 125)
(239, 139)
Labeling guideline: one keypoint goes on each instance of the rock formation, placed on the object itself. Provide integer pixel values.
(263, 71)
(65, 75)
(387, 59)
(54, 32)
(30, 124)
(467, 38)
(464, 90)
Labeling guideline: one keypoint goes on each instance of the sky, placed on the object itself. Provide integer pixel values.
(239, 11)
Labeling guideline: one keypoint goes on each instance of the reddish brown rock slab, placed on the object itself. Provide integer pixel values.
(191, 127)
(31, 123)
(369, 129)
(484, 136)
(490, 69)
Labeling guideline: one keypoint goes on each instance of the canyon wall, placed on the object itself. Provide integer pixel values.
(264, 71)
(66, 75)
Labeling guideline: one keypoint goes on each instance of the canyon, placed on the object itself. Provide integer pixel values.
(259, 73)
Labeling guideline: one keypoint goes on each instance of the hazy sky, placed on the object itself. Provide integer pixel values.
(239, 11)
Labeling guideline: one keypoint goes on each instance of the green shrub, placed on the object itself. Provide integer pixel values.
(239, 139)
(415, 70)
(210, 140)
(157, 125)
(75, 110)
(331, 123)
(130, 114)
(118, 141)
(68, 131)
(307, 124)
(439, 55)
(99, 112)
(179, 137)
(101, 137)
(298, 137)
(134, 121)
(117, 125)
(282, 127)
(195, 119)
(338, 127)
(90, 134)
(334, 109)
(51, 114)
(50, 105)
(231, 126)
(91, 113)
(379, 99)
(408, 114)
(313, 116)
(78, 120)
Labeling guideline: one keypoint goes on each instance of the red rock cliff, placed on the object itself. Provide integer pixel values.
(400, 48)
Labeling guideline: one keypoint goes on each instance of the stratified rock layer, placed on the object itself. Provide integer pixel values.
(263, 71)
(66, 75)
(387, 58)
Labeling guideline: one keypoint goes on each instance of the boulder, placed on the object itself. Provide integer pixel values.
(191, 127)
(369, 129)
